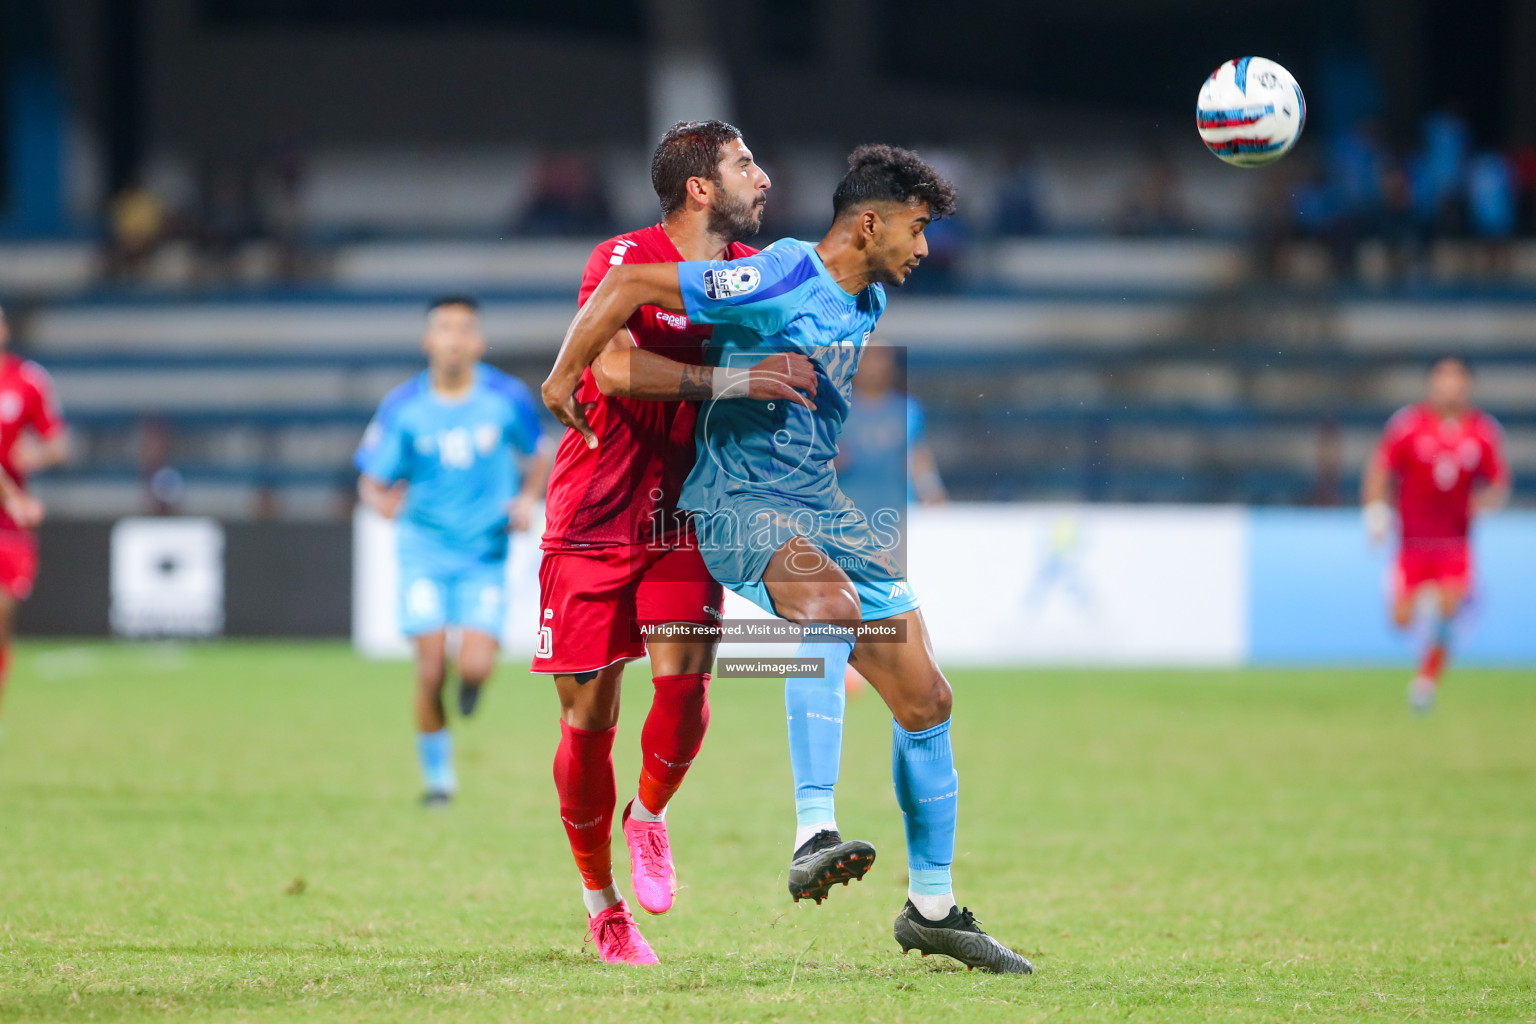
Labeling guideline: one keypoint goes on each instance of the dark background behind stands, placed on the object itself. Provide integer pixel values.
(219, 219)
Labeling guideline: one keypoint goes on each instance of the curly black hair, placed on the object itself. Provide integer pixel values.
(877, 172)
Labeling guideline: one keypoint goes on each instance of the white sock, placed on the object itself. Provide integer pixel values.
(599, 900)
(640, 812)
(934, 908)
(804, 832)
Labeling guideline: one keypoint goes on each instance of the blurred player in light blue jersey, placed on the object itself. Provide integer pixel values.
(883, 459)
(774, 526)
(883, 456)
(457, 457)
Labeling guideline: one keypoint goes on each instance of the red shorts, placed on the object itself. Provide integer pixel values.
(591, 602)
(18, 563)
(1448, 563)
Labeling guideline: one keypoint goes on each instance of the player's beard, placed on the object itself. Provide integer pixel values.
(735, 220)
(886, 269)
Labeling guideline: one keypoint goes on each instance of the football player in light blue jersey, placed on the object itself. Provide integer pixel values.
(774, 526)
(883, 456)
(456, 456)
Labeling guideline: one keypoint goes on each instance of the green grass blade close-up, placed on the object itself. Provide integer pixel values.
(231, 833)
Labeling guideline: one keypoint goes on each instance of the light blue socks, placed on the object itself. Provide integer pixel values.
(927, 788)
(435, 752)
(815, 708)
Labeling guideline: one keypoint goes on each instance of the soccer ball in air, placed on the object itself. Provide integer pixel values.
(1250, 112)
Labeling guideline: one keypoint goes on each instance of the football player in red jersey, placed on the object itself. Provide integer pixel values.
(32, 437)
(1446, 457)
(618, 556)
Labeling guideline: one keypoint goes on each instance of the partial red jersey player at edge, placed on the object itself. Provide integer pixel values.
(616, 552)
(32, 437)
(1446, 459)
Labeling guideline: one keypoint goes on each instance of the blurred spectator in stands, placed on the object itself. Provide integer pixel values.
(1436, 172)
(1154, 203)
(1523, 160)
(567, 198)
(226, 221)
(1394, 225)
(281, 191)
(1274, 221)
(1491, 208)
(1328, 485)
(1018, 197)
(138, 223)
(1355, 159)
(164, 486)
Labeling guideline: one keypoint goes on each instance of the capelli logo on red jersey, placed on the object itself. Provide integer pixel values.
(673, 320)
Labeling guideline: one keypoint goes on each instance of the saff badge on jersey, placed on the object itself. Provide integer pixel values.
(730, 282)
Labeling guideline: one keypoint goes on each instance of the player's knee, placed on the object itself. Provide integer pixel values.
(829, 604)
(928, 707)
(475, 668)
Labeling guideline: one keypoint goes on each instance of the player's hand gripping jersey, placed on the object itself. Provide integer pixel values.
(617, 551)
(625, 490)
(764, 472)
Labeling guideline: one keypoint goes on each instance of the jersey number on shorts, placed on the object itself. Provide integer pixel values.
(546, 646)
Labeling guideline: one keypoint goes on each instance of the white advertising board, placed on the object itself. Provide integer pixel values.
(1088, 584)
(999, 584)
(167, 577)
(376, 589)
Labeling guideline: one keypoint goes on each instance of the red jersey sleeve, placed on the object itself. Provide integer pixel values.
(41, 411)
(1395, 440)
(605, 256)
(1492, 467)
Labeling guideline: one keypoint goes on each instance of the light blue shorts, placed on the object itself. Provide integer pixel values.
(738, 539)
(473, 597)
(445, 585)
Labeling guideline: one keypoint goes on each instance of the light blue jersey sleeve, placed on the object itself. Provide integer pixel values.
(917, 421)
(524, 430)
(756, 292)
(384, 452)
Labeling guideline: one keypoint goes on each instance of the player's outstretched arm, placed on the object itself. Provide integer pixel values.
(379, 496)
(25, 510)
(535, 479)
(44, 453)
(629, 371)
(1492, 496)
(1375, 497)
(925, 476)
(622, 291)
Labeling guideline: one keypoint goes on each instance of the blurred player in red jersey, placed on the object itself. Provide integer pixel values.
(32, 437)
(617, 553)
(1447, 460)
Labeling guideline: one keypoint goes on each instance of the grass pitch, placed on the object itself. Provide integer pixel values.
(229, 834)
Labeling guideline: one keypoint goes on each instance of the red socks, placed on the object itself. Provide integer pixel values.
(673, 733)
(584, 780)
(1433, 663)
